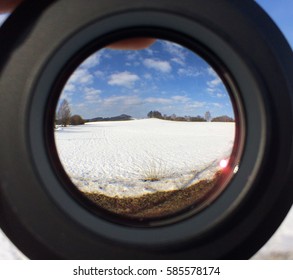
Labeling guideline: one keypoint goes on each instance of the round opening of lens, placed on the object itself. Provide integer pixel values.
(147, 134)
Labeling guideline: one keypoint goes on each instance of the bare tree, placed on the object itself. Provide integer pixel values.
(208, 116)
(64, 113)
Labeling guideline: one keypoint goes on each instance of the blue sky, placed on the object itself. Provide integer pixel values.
(165, 77)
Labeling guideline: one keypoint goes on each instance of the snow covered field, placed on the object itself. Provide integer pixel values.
(127, 149)
(132, 158)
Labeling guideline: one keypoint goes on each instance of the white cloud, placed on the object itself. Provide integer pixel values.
(196, 104)
(122, 100)
(149, 51)
(215, 86)
(99, 74)
(212, 72)
(180, 98)
(81, 76)
(167, 101)
(159, 65)
(66, 95)
(125, 79)
(131, 55)
(148, 76)
(214, 83)
(220, 95)
(113, 100)
(132, 101)
(176, 50)
(211, 90)
(154, 100)
(80, 105)
(69, 87)
(92, 61)
(219, 105)
(3, 17)
(188, 72)
(178, 61)
(92, 94)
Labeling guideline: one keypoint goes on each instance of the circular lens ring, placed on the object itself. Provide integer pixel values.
(240, 227)
(203, 52)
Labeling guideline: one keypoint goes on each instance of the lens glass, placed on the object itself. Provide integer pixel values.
(148, 133)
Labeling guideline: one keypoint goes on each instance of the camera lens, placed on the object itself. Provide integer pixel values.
(147, 134)
(181, 150)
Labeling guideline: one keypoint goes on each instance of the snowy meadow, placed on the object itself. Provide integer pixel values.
(145, 168)
(137, 157)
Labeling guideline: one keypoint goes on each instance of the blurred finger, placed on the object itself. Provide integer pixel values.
(7, 6)
(133, 44)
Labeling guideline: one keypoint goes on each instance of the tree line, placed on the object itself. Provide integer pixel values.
(206, 118)
(64, 116)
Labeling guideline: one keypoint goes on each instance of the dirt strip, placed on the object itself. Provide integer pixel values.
(158, 204)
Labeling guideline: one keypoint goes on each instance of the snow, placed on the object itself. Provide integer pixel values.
(119, 154)
(119, 158)
(280, 246)
(7, 250)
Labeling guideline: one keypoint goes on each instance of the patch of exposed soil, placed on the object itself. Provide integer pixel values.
(158, 204)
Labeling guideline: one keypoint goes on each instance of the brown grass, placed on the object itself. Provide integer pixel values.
(158, 204)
